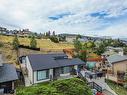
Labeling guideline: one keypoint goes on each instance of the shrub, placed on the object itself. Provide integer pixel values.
(1, 44)
(72, 86)
(54, 39)
(33, 42)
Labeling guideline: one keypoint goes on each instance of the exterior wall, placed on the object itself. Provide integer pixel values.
(63, 75)
(35, 76)
(76, 67)
(29, 70)
(32, 75)
(121, 66)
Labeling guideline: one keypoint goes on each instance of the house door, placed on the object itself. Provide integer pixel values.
(6, 86)
(56, 73)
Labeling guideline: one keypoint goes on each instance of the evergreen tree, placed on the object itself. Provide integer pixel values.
(83, 54)
(78, 36)
(77, 45)
(15, 43)
(53, 33)
(33, 42)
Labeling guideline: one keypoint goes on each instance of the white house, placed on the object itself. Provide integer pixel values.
(46, 67)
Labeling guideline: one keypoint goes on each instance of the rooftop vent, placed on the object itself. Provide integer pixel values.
(60, 57)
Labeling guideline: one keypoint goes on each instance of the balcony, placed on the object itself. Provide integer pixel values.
(115, 78)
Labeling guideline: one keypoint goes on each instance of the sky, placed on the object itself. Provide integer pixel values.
(86, 17)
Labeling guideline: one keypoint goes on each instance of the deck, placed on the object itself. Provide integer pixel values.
(111, 77)
(114, 78)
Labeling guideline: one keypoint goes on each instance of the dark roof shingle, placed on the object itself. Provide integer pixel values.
(8, 73)
(47, 61)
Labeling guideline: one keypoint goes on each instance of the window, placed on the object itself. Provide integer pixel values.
(65, 70)
(41, 75)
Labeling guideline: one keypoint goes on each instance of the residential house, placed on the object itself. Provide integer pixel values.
(24, 33)
(113, 51)
(3, 30)
(117, 64)
(46, 67)
(69, 37)
(8, 76)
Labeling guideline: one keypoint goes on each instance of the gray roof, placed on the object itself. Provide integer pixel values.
(47, 61)
(116, 58)
(7, 73)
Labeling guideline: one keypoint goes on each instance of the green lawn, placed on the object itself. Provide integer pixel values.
(120, 90)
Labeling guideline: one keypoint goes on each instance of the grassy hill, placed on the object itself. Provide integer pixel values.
(41, 43)
(46, 45)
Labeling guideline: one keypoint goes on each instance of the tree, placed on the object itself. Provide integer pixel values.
(48, 34)
(125, 50)
(91, 45)
(54, 39)
(53, 33)
(100, 49)
(77, 45)
(33, 42)
(78, 36)
(83, 55)
(62, 38)
(15, 43)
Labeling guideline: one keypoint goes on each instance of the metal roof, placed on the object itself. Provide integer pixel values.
(47, 61)
(116, 58)
(8, 73)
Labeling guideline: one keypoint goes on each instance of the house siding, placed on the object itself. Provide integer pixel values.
(29, 70)
(120, 66)
(32, 75)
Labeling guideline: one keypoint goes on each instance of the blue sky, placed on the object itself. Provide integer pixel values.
(87, 17)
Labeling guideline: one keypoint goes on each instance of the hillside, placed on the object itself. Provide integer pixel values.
(41, 43)
(9, 55)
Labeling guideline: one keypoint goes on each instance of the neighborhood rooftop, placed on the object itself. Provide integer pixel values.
(7, 73)
(47, 61)
(116, 58)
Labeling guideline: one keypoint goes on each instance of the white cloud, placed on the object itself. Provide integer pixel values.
(34, 14)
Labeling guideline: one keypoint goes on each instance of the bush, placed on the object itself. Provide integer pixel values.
(1, 44)
(72, 86)
(54, 39)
